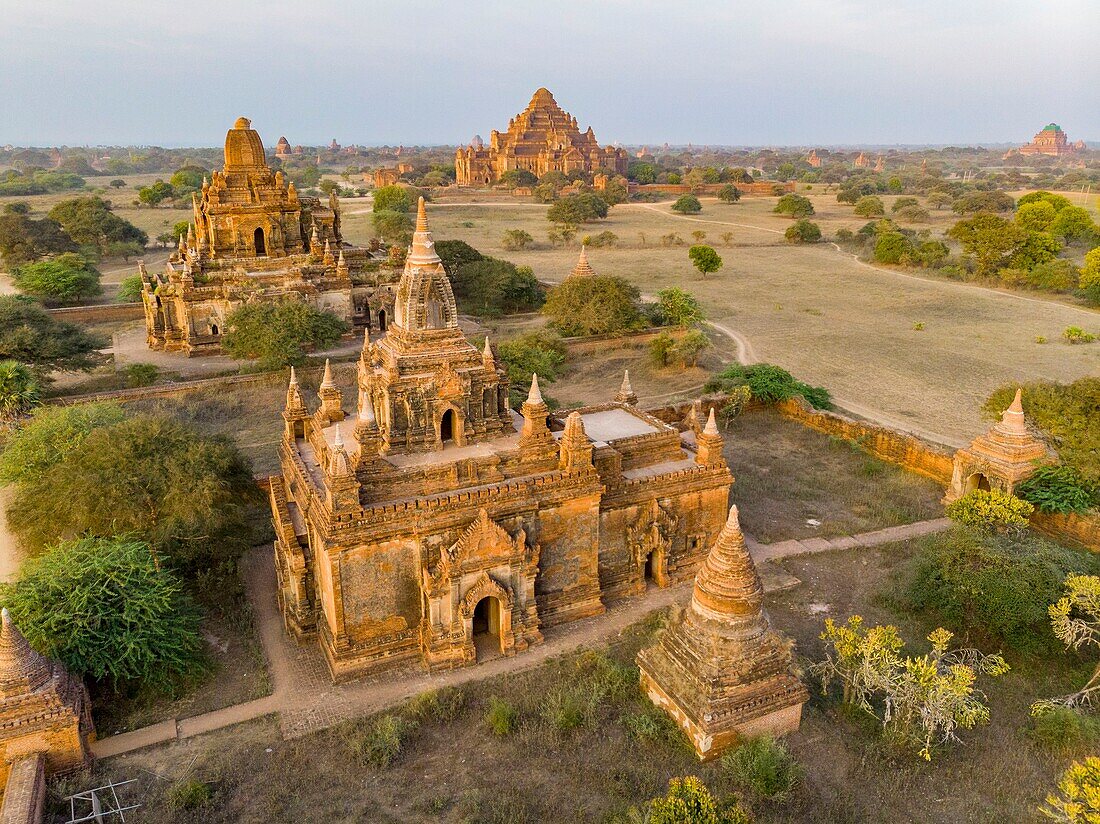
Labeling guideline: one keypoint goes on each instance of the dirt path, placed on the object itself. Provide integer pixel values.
(306, 700)
(11, 556)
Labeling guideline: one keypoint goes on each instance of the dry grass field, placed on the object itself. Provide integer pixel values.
(815, 310)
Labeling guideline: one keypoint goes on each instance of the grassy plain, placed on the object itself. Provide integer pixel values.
(573, 757)
(815, 310)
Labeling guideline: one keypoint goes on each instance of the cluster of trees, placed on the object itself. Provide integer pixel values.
(37, 182)
(885, 242)
(181, 185)
(675, 307)
(117, 556)
(595, 305)
(533, 353)
(392, 212)
(488, 286)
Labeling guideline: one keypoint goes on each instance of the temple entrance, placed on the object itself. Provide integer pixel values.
(381, 320)
(261, 246)
(977, 481)
(486, 628)
(651, 568)
(447, 426)
(214, 329)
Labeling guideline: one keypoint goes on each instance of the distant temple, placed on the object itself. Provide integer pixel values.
(282, 148)
(813, 159)
(434, 525)
(254, 238)
(1051, 141)
(542, 138)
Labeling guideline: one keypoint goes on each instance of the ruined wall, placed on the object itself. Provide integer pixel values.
(1081, 530)
(25, 791)
(104, 313)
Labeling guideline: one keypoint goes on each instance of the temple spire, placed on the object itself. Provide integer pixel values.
(712, 426)
(626, 391)
(709, 443)
(326, 379)
(487, 357)
(534, 396)
(727, 585)
(1012, 419)
(422, 252)
(582, 269)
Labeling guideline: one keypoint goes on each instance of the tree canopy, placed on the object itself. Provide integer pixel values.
(675, 307)
(393, 198)
(19, 390)
(50, 434)
(23, 239)
(89, 221)
(687, 205)
(577, 208)
(491, 287)
(280, 334)
(705, 259)
(67, 278)
(30, 334)
(794, 205)
(594, 305)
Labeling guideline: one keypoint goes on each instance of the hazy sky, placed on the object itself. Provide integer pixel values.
(794, 72)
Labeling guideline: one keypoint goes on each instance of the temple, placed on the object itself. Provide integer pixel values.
(433, 525)
(1051, 141)
(720, 670)
(542, 138)
(1000, 459)
(254, 238)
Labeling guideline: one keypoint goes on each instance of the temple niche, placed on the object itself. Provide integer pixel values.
(542, 138)
(432, 525)
(253, 237)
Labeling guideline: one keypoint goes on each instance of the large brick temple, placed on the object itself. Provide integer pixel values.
(431, 524)
(542, 138)
(253, 237)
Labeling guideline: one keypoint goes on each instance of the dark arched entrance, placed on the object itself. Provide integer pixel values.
(486, 628)
(261, 246)
(214, 329)
(447, 426)
(977, 481)
(381, 320)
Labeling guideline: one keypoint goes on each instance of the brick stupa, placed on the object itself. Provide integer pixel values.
(720, 670)
(1000, 459)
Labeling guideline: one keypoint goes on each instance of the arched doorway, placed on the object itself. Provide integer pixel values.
(214, 329)
(977, 481)
(651, 567)
(261, 246)
(486, 627)
(447, 426)
(381, 320)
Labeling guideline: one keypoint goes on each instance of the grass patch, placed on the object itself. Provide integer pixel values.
(763, 766)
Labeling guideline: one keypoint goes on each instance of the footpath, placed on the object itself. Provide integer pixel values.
(306, 700)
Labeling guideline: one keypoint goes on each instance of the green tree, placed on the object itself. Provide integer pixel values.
(107, 609)
(975, 202)
(615, 191)
(516, 240)
(89, 221)
(19, 390)
(66, 278)
(1036, 216)
(1075, 619)
(540, 353)
(393, 198)
(1089, 276)
(675, 307)
(1074, 223)
(117, 183)
(578, 208)
(687, 205)
(690, 345)
(392, 225)
(187, 179)
(891, 247)
(190, 497)
(23, 240)
(705, 259)
(992, 240)
(491, 287)
(870, 206)
(129, 289)
(280, 334)
(156, 194)
(729, 194)
(1059, 202)
(593, 306)
(514, 178)
(454, 253)
(660, 349)
(803, 231)
(49, 435)
(31, 335)
(794, 205)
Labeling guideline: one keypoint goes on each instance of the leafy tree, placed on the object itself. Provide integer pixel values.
(23, 240)
(1090, 275)
(903, 203)
(1036, 216)
(615, 191)
(65, 279)
(117, 183)
(601, 239)
(940, 200)
(661, 348)
(540, 353)
(454, 253)
(1058, 488)
(31, 335)
(992, 240)
(1059, 202)
(1074, 223)
(1035, 249)
(49, 435)
(1057, 275)
(577, 208)
(794, 205)
(765, 766)
(1077, 800)
(189, 496)
(89, 221)
(129, 290)
(913, 214)
(991, 510)
(675, 307)
(106, 608)
(19, 390)
(545, 193)
(393, 198)
(514, 178)
(392, 225)
(729, 193)
(727, 238)
(974, 202)
(687, 205)
(491, 287)
(690, 345)
(641, 172)
(870, 206)
(593, 306)
(803, 231)
(280, 334)
(516, 239)
(156, 194)
(705, 259)
(891, 247)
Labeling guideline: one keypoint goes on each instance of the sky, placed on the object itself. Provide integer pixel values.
(770, 72)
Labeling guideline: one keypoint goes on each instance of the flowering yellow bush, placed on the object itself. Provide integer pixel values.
(991, 509)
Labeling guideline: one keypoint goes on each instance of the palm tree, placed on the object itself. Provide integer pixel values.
(19, 390)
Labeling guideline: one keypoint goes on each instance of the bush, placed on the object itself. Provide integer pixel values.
(687, 205)
(1075, 334)
(440, 705)
(794, 205)
(768, 384)
(892, 247)
(129, 290)
(66, 278)
(1054, 276)
(870, 206)
(1058, 488)
(90, 222)
(594, 306)
(108, 609)
(652, 726)
(29, 334)
(660, 349)
(994, 588)
(516, 239)
(491, 287)
(675, 307)
(501, 717)
(602, 239)
(990, 509)
(393, 198)
(379, 745)
(280, 334)
(189, 795)
(803, 231)
(392, 226)
(19, 389)
(690, 802)
(141, 374)
(763, 766)
(50, 434)
(690, 345)
(1064, 732)
(913, 214)
(729, 193)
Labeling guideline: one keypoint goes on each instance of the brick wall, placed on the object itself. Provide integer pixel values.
(1080, 530)
(104, 313)
(25, 791)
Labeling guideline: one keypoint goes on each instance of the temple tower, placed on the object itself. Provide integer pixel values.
(720, 670)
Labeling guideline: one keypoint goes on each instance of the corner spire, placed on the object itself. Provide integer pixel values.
(727, 585)
(326, 379)
(626, 392)
(534, 396)
(1012, 419)
(712, 429)
(487, 357)
(583, 269)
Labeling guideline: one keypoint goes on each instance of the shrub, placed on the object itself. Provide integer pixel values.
(66, 278)
(29, 334)
(280, 334)
(189, 795)
(491, 287)
(516, 239)
(1058, 488)
(501, 717)
(578, 208)
(594, 305)
(660, 349)
(140, 374)
(393, 198)
(129, 290)
(803, 231)
(892, 247)
(995, 588)
(687, 205)
(454, 253)
(1063, 731)
(50, 433)
(651, 726)
(379, 745)
(990, 509)
(108, 609)
(690, 345)
(1075, 334)
(602, 239)
(444, 704)
(392, 226)
(705, 259)
(19, 389)
(1077, 800)
(729, 193)
(689, 802)
(763, 766)
(675, 307)
(794, 205)
(816, 396)
(1054, 276)
(913, 214)
(540, 353)
(870, 206)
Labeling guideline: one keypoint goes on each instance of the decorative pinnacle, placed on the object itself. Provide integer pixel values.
(712, 429)
(487, 352)
(337, 442)
(583, 268)
(326, 380)
(534, 397)
(1012, 419)
(366, 409)
(626, 389)
(421, 216)
(293, 377)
